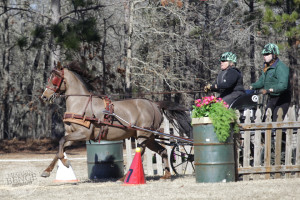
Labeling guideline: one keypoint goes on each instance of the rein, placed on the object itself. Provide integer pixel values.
(139, 94)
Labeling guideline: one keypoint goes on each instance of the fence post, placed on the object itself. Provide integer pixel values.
(278, 142)
(268, 138)
(128, 153)
(289, 134)
(257, 144)
(246, 156)
(298, 147)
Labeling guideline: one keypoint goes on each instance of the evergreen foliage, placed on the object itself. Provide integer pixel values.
(73, 34)
(281, 17)
(39, 35)
(22, 42)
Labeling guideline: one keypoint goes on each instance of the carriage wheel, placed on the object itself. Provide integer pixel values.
(182, 159)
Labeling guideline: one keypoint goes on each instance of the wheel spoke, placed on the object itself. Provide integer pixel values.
(179, 164)
(180, 153)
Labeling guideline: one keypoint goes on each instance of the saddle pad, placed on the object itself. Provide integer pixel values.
(78, 121)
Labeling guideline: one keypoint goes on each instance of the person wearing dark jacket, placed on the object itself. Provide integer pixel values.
(274, 81)
(229, 82)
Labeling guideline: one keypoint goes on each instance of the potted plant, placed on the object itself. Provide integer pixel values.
(212, 122)
(214, 110)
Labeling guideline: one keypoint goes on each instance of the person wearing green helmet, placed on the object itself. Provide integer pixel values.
(274, 81)
(229, 82)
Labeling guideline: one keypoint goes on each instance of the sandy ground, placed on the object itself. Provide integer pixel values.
(14, 166)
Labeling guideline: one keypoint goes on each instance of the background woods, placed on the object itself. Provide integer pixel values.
(131, 47)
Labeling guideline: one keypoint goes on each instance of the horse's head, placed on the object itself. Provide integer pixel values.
(56, 84)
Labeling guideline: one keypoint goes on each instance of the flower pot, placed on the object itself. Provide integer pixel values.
(214, 160)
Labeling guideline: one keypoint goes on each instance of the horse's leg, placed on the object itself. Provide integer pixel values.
(63, 159)
(48, 170)
(154, 146)
(67, 141)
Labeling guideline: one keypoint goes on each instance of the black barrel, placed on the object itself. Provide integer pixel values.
(105, 159)
(214, 161)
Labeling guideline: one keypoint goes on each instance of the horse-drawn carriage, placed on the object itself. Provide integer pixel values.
(95, 117)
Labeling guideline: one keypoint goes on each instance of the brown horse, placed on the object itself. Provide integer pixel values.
(138, 112)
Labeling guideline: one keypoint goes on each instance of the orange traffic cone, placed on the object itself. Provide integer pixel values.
(65, 174)
(136, 174)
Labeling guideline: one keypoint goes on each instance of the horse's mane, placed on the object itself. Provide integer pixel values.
(82, 72)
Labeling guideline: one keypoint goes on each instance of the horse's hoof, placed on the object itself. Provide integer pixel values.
(45, 174)
(66, 162)
(166, 176)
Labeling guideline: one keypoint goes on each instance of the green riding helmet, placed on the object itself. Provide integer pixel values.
(270, 49)
(228, 56)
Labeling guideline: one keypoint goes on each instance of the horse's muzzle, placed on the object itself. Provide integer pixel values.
(44, 98)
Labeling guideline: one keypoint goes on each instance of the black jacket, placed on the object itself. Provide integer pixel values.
(228, 81)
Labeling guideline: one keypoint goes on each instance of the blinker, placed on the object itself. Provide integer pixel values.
(55, 81)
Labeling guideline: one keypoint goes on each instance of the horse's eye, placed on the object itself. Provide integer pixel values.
(55, 81)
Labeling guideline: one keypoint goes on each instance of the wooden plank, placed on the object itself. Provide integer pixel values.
(278, 142)
(159, 165)
(267, 158)
(269, 125)
(128, 153)
(257, 145)
(270, 169)
(166, 125)
(237, 148)
(246, 155)
(289, 134)
(298, 147)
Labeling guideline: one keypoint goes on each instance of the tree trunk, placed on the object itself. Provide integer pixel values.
(252, 45)
(129, 19)
(55, 15)
(5, 86)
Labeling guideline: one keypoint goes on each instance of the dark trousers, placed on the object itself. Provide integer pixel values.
(275, 102)
(229, 98)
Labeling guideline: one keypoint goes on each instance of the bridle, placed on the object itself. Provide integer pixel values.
(56, 78)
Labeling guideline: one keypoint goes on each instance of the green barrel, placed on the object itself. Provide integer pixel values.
(214, 161)
(105, 159)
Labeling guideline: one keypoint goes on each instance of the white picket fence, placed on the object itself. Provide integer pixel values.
(268, 159)
(246, 169)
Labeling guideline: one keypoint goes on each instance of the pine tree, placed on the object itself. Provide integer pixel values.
(281, 19)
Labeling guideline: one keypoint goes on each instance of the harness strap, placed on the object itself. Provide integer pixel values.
(131, 127)
(89, 100)
(107, 118)
(95, 120)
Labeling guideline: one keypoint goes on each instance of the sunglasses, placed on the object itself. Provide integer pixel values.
(266, 54)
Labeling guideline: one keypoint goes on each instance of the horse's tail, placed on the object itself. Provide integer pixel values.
(174, 111)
